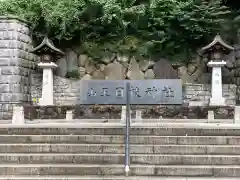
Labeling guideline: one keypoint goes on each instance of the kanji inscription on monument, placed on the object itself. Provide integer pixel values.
(162, 91)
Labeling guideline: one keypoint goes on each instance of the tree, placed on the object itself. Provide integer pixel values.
(170, 28)
(234, 20)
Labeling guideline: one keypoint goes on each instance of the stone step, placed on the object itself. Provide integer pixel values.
(117, 139)
(119, 148)
(113, 169)
(156, 159)
(19, 177)
(104, 129)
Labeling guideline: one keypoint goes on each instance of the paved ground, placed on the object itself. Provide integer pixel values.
(108, 178)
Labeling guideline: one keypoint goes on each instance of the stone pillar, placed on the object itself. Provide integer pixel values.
(210, 116)
(138, 116)
(18, 115)
(237, 115)
(69, 115)
(123, 114)
(236, 72)
(217, 97)
(16, 64)
(47, 83)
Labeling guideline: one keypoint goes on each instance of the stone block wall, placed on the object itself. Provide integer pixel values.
(16, 64)
(199, 94)
(67, 92)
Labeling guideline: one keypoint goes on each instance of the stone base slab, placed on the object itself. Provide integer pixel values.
(111, 178)
(114, 112)
(119, 129)
(217, 102)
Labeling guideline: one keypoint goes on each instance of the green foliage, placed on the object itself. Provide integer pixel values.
(74, 74)
(232, 27)
(170, 28)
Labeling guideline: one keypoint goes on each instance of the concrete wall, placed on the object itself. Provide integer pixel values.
(16, 64)
(67, 92)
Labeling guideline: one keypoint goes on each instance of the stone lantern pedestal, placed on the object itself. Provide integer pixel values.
(216, 99)
(47, 83)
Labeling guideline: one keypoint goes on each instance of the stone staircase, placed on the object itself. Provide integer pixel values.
(84, 153)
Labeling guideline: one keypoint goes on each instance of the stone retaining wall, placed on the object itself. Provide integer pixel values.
(67, 92)
(118, 67)
(16, 64)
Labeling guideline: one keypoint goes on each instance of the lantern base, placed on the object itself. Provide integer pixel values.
(217, 101)
(47, 83)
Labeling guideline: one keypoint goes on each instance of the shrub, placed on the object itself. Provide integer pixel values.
(170, 28)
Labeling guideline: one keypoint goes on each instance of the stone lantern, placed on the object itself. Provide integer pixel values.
(48, 55)
(216, 51)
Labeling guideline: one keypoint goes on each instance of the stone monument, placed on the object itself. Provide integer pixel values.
(48, 53)
(216, 50)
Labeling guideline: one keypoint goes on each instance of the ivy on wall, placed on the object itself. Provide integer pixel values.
(153, 28)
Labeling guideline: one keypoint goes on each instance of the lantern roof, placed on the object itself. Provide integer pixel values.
(218, 43)
(47, 47)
